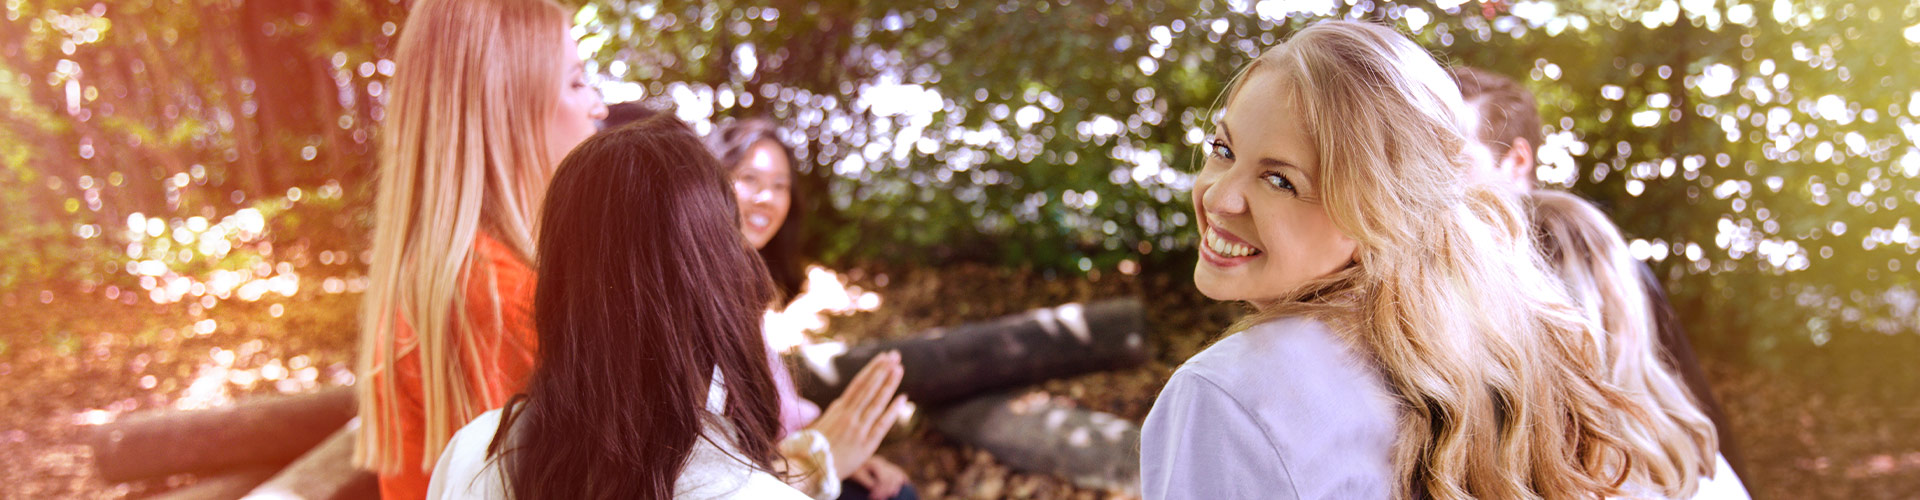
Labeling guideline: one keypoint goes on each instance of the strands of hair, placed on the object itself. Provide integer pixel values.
(454, 163)
(1510, 110)
(731, 143)
(1592, 261)
(647, 294)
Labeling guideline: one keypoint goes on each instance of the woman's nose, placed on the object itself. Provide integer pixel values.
(1222, 196)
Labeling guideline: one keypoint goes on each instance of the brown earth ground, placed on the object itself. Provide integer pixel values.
(68, 357)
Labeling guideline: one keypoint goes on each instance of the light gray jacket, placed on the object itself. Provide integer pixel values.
(1286, 410)
(1283, 410)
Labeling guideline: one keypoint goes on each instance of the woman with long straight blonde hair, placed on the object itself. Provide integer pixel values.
(487, 96)
(1591, 259)
(1405, 341)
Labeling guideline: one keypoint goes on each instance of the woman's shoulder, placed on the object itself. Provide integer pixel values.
(1296, 368)
(479, 431)
(500, 259)
(1299, 414)
(712, 472)
(464, 469)
(1290, 346)
(497, 272)
(1724, 485)
(715, 470)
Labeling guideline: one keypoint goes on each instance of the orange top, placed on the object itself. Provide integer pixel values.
(505, 351)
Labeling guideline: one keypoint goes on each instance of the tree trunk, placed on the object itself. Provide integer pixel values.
(326, 473)
(1033, 432)
(268, 431)
(946, 365)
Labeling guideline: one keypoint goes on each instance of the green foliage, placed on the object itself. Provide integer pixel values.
(1762, 156)
(1765, 155)
(173, 110)
(931, 141)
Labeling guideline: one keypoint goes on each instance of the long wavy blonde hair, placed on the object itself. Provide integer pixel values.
(462, 151)
(1503, 389)
(1592, 261)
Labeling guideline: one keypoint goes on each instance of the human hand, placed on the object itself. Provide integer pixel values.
(882, 479)
(856, 422)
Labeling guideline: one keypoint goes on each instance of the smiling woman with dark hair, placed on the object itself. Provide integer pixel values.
(762, 168)
(835, 447)
(652, 379)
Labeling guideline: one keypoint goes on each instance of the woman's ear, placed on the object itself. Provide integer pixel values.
(1518, 164)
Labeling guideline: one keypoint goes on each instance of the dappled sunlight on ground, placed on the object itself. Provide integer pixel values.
(1800, 440)
(92, 354)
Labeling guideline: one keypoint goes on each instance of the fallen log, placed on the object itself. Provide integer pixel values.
(326, 473)
(947, 365)
(1033, 432)
(944, 365)
(268, 431)
(224, 486)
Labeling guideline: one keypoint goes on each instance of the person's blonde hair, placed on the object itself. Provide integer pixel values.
(462, 151)
(1502, 388)
(1591, 258)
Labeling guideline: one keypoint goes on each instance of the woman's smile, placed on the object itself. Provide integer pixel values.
(1224, 249)
(758, 221)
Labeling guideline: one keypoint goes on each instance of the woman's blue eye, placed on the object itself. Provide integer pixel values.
(1219, 149)
(1278, 181)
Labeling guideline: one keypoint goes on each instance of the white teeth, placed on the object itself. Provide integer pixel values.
(757, 220)
(1221, 246)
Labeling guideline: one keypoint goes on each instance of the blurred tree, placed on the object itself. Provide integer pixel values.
(1762, 155)
(174, 109)
(1758, 154)
(1764, 160)
(932, 135)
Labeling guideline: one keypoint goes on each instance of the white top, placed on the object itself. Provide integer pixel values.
(712, 470)
(1725, 485)
(1285, 410)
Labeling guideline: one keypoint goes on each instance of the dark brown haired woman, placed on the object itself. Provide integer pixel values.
(762, 168)
(836, 447)
(652, 379)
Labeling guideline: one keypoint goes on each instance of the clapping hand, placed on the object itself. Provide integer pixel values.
(855, 423)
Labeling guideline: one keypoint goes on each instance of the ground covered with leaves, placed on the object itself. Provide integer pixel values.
(70, 359)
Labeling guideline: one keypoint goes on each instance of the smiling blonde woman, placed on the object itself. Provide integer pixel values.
(1405, 341)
